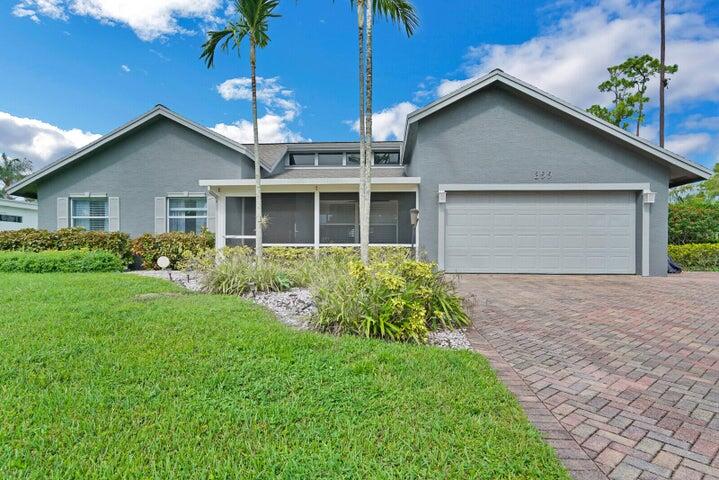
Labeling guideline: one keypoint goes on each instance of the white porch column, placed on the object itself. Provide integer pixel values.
(442, 205)
(221, 221)
(317, 220)
(648, 197)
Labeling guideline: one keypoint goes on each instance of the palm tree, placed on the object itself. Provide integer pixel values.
(252, 22)
(12, 170)
(662, 62)
(400, 12)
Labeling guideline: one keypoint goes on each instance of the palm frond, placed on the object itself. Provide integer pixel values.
(400, 12)
(252, 21)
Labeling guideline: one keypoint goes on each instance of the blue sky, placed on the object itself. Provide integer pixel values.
(79, 68)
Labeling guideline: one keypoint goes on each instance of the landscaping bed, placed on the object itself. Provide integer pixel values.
(119, 376)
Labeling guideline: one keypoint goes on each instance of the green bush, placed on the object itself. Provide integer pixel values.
(177, 246)
(696, 256)
(237, 272)
(693, 221)
(34, 240)
(68, 261)
(396, 301)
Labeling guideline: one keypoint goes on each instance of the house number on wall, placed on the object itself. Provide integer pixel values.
(542, 175)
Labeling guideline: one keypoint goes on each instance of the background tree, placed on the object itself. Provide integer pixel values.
(400, 12)
(706, 191)
(623, 101)
(640, 70)
(628, 83)
(252, 22)
(12, 170)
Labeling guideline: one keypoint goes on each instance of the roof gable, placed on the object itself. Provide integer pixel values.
(686, 170)
(128, 129)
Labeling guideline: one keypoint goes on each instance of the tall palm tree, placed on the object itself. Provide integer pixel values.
(400, 12)
(252, 22)
(662, 63)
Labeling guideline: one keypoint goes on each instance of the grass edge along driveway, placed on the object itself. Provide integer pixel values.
(119, 376)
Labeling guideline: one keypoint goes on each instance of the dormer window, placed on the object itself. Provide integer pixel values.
(330, 159)
(340, 159)
(302, 159)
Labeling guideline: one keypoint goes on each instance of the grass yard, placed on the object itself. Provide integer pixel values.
(119, 376)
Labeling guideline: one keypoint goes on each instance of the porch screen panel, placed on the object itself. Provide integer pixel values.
(239, 219)
(389, 217)
(339, 218)
(290, 217)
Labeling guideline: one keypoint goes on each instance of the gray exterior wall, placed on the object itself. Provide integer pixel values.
(494, 136)
(159, 158)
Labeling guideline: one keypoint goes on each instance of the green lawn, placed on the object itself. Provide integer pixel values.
(118, 376)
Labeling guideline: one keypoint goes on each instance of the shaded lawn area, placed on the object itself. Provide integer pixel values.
(119, 376)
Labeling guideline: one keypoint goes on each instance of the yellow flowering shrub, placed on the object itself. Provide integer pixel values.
(397, 300)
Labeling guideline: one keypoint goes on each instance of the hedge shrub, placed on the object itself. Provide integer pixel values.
(174, 245)
(693, 221)
(34, 240)
(68, 261)
(696, 256)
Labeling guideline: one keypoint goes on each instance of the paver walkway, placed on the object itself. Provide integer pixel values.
(627, 366)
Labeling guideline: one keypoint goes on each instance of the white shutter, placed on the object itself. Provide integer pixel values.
(113, 207)
(211, 213)
(160, 214)
(63, 211)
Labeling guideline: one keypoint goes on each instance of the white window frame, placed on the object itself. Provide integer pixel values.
(91, 217)
(175, 217)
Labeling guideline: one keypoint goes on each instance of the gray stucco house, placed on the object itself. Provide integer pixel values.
(507, 179)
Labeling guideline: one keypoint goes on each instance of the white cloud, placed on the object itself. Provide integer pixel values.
(689, 143)
(388, 124)
(272, 129)
(125, 68)
(282, 109)
(269, 92)
(570, 59)
(700, 122)
(39, 141)
(149, 19)
(33, 8)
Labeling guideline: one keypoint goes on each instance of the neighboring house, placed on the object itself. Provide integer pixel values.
(15, 214)
(507, 178)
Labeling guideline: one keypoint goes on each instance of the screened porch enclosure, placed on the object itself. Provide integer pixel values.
(319, 219)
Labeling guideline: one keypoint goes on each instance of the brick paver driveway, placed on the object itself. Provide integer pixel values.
(629, 366)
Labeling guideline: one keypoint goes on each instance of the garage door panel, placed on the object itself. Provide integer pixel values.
(541, 232)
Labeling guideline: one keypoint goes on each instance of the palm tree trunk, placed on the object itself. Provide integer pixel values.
(366, 183)
(364, 230)
(662, 81)
(256, 135)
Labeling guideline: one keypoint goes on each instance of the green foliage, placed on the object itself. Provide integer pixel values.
(708, 190)
(177, 246)
(12, 170)
(120, 376)
(236, 271)
(67, 261)
(34, 240)
(627, 83)
(696, 256)
(397, 301)
(693, 221)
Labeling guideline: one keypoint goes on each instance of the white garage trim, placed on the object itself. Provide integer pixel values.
(647, 198)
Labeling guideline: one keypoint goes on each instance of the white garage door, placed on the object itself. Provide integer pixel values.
(540, 232)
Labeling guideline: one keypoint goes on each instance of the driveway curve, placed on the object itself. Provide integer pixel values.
(619, 370)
